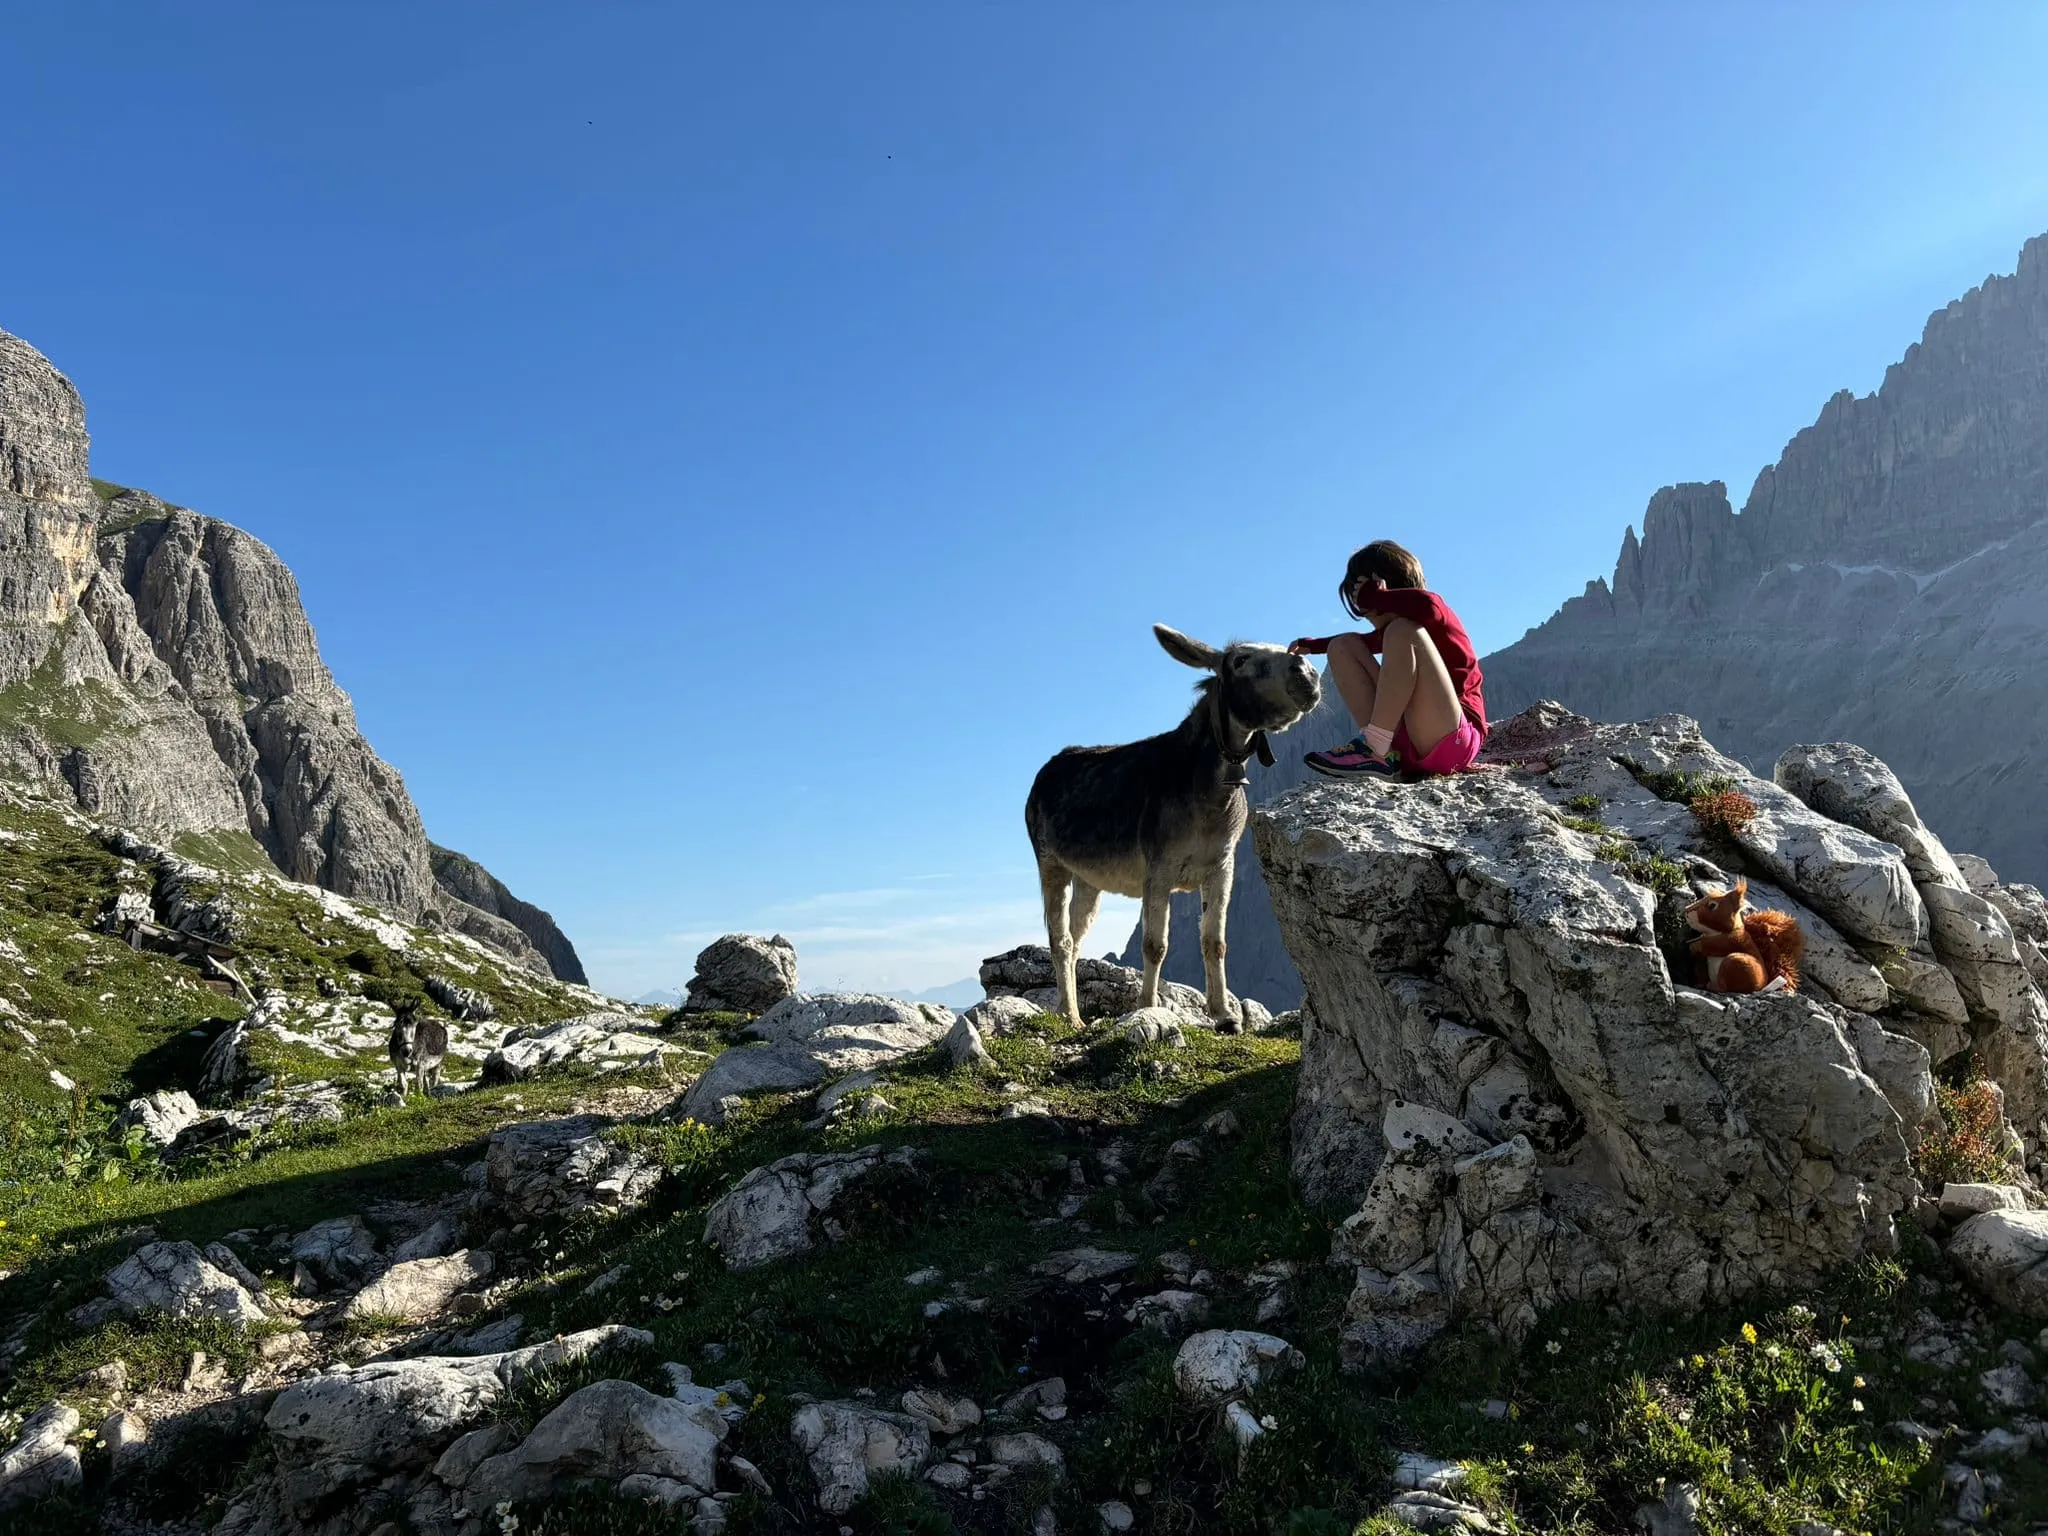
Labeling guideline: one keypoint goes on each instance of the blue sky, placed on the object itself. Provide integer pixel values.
(724, 450)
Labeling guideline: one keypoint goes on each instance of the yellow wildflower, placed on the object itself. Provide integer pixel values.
(1749, 1333)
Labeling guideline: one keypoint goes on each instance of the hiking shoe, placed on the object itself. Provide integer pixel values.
(1354, 760)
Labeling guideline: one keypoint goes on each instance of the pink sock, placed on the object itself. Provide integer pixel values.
(1379, 739)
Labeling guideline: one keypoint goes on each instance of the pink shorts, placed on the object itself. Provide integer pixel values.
(1454, 754)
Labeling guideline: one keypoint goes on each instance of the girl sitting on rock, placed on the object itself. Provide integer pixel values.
(1412, 685)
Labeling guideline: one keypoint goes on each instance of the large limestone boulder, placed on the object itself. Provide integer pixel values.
(2005, 1254)
(742, 973)
(1502, 1072)
(784, 1208)
(415, 1290)
(848, 1444)
(1107, 990)
(551, 1169)
(41, 1461)
(812, 1039)
(361, 1424)
(162, 1115)
(608, 1430)
(607, 1042)
(177, 1279)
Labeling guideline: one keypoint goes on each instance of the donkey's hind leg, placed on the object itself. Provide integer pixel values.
(1081, 911)
(1215, 908)
(1053, 881)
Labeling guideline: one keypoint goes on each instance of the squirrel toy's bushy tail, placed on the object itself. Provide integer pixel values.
(1777, 935)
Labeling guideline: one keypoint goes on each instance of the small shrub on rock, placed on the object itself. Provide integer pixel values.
(1723, 814)
(1970, 1146)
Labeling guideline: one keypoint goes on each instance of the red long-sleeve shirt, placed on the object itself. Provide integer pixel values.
(1421, 606)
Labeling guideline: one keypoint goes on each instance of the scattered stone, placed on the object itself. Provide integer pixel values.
(994, 1018)
(2005, 1255)
(41, 1461)
(1997, 1444)
(940, 1413)
(1412, 1469)
(609, 1429)
(1676, 1514)
(1422, 1510)
(550, 1169)
(430, 1242)
(780, 1210)
(1169, 1312)
(1115, 1515)
(109, 1380)
(204, 1374)
(1153, 1026)
(608, 1042)
(746, 1069)
(923, 1277)
(1961, 1201)
(1036, 1398)
(1220, 1364)
(949, 1475)
(964, 1047)
(1081, 1266)
(360, 1424)
(1242, 1426)
(175, 1279)
(163, 1115)
(1972, 1490)
(2006, 1386)
(339, 1251)
(846, 1444)
(1024, 1449)
(1168, 1187)
(125, 1438)
(416, 1290)
(665, 1491)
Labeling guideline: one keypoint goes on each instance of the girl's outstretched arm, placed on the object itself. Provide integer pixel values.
(1308, 645)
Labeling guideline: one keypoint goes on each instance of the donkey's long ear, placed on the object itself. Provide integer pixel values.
(1187, 650)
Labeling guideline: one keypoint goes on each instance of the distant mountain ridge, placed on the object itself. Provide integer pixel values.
(1885, 583)
(160, 665)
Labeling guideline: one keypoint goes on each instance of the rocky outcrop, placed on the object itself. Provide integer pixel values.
(784, 1208)
(481, 891)
(742, 973)
(550, 1169)
(1898, 543)
(811, 1039)
(1506, 1070)
(160, 666)
(606, 1042)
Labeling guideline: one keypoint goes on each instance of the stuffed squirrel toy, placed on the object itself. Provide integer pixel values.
(1753, 952)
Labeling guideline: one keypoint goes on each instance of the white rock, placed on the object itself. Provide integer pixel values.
(41, 1461)
(1219, 1364)
(1409, 1126)
(609, 1429)
(174, 1278)
(940, 1412)
(780, 1210)
(163, 1115)
(358, 1424)
(125, 1436)
(949, 1475)
(339, 1251)
(847, 1444)
(1170, 1312)
(1242, 1426)
(1960, 1201)
(430, 1242)
(606, 1041)
(742, 973)
(1025, 1449)
(417, 1289)
(665, 1491)
(1502, 1178)
(2005, 1255)
(852, 1032)
(964, 1045)
(995, 1017)
(1676, 1514)
(2006, 1387)
(1080, 1266)
(552, 1169)
(1115, 1515)
(1414, 1470)
(1423, 1510)
(1156, 1025)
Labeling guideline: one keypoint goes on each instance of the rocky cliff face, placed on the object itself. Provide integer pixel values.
(161, 666)
(1505, 1069)
(1886, 582)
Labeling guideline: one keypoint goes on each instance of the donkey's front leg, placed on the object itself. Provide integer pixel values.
(1158, 920)
(1215, 908)
(1059, 939)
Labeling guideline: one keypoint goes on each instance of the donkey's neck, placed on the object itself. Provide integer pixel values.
(1216, 733)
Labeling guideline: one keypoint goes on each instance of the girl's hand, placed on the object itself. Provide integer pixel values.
(1302, 647)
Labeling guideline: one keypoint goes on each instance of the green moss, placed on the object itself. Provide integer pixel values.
(1583, 805)
(231, 849)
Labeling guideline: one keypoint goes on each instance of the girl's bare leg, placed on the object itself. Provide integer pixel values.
(1356, 672)
(1413, 685)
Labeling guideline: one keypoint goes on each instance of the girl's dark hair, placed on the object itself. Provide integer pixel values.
(1382, 558)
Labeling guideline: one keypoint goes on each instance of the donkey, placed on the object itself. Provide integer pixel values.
(418, 1047)
(1164, 814)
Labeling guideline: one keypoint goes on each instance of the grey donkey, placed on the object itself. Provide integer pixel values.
(1164, 814)
(418, 1047)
